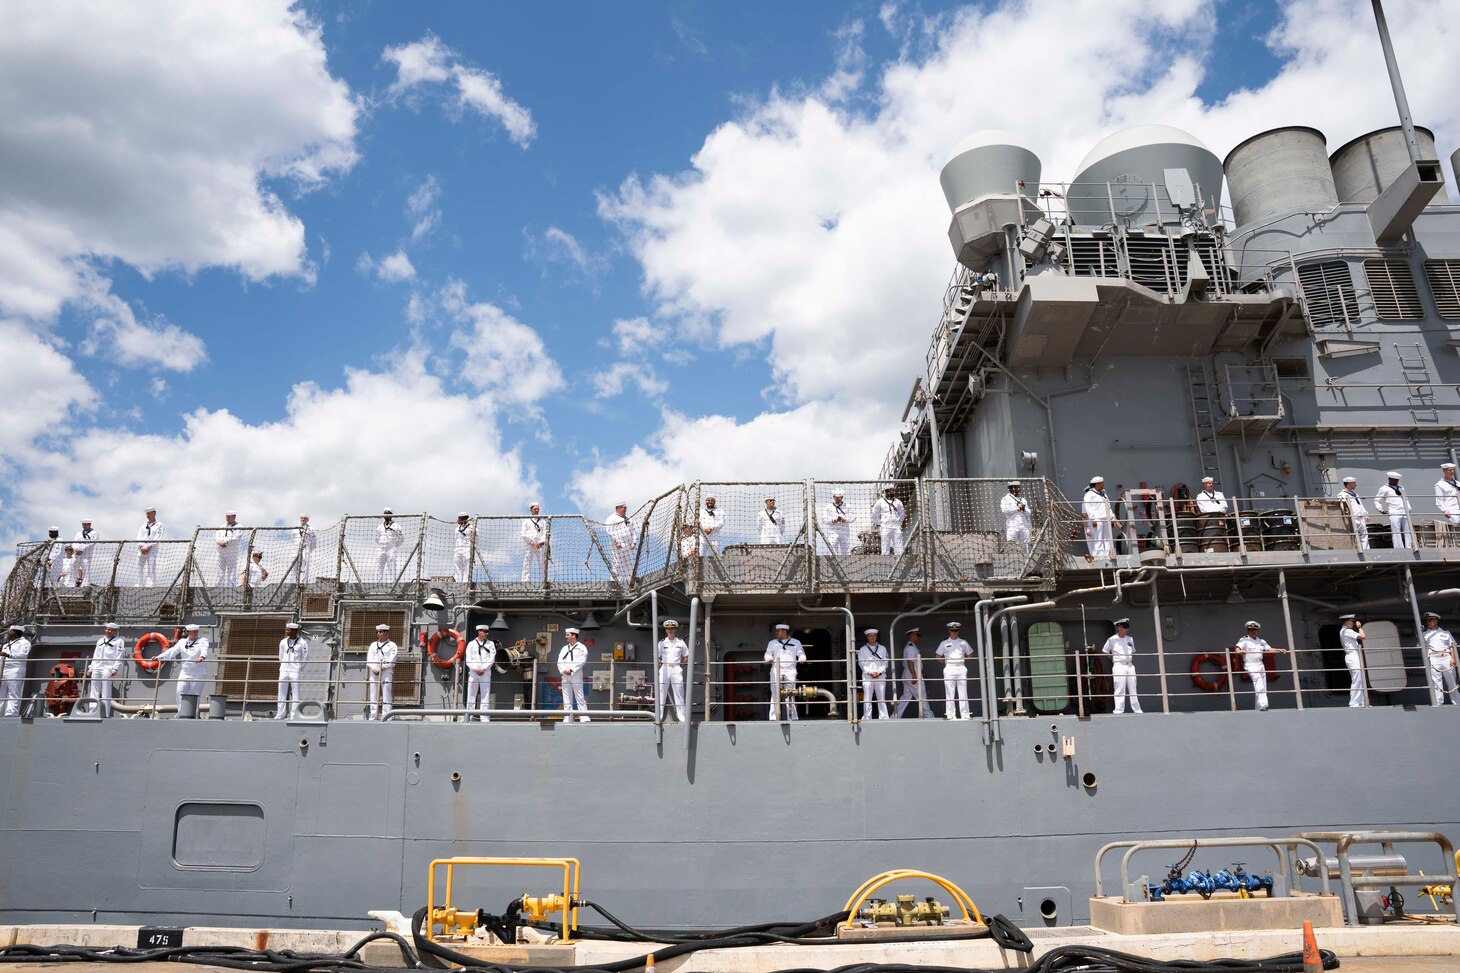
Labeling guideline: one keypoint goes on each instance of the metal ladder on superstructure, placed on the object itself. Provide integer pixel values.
(1419, 393)
(1202, 418)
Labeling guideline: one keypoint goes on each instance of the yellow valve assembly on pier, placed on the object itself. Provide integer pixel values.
(463, 923)
(906, 910)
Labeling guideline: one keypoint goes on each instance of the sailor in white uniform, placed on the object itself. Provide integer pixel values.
(1358, 514)
(572, 657)
(1447, 494)
(380, 664)
(689, 542)
(888, 516)
(83, 543)
(1100, 522)
(913, 687)
(70, 573)
(1122, 651)
(147, 537)
(54, 553)
(304, 548)
(1254, 659)
(1351, 638)
(782, 653)
(14, 655)
(836, 523)
(673, 652)
(106, 662)
(388, 540)
(621, 543)
(711, 523)
(953, 650)
(534, 533)
(229, 539)
(1211, 503)
(874, 659)
(1391, 502)
(192, 651)
(293, 654)
(255, 574)
(1441, 652)
(772, 523)
(1016, 515)
(481, 655)
(462, 542)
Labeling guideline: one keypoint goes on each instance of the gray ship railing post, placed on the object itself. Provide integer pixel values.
(654, 656)
(1419, 629)
(1160, 645)
(1231, 675)
(694, 617)
(1292, 645)
(709, 602)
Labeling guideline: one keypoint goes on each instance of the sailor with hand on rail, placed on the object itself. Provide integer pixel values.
(1440, 650)
(873, 659)
(1122, 651)
(1358, 514)
(293, 653)
(1447, 494)
(481, 655)
(711, 523)
(672, 655)
(380, 661)
(953, 650)
(106, 662)
(783, 652)
(192, 651)
(1254, 658)
(572, 657)
(14, 653)
(1351, 638)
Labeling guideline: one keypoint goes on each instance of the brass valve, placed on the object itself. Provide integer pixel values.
(906, 911)
(454, 921)
(801, 692)
(537, 907)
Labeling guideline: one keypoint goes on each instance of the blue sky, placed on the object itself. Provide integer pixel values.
(751, 186)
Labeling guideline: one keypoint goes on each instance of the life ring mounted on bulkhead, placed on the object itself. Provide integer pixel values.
(439, 662)
(143, 642)
(1199, 676)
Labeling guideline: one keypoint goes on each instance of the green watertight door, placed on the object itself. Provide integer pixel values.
(1048, 675)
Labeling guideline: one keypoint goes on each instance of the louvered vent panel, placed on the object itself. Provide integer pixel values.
(1328, 292)
(1093, 257)
(248, 659)
(1444, 278)
(360, 627)
(1394, 290)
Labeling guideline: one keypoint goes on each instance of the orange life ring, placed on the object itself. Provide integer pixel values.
(1201, 679)
(460, 648)
(144, 641)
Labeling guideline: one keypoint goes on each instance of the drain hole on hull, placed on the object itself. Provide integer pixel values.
(1049, 910)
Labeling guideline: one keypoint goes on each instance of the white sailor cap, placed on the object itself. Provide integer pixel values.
(670, 623)
(111, 625)
(915, 631)
(869, 631)
(1097, 479)
(304, 516)
(230, 513)
(1348, 617)
(1013, 483)
(1393, 475)
(1427, 615)
(382, 627)
(387, 511)
(17, 628)
(484, 627)
(889, 488)
(292, 625)
(1123, 621)
(1350, 479)
(783, 625)
(86, 520)
(53, 528)
(1208, 479)
(955, 625)
(838, 492)
(149, 510)
(192, 627)
(533, 504)
(769, 497)
(1252, 624)
(1447, 466)
(620, 503)
(570, 631)
(463, 515)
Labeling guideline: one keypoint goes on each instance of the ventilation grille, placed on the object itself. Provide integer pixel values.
(1394, 290)
(360, 627)
(1328, 292)
(248, 658)
(1444, 278)
(318, 607)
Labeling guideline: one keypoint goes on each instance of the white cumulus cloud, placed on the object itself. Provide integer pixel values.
(500, 354)
(427, 63)
(421, 208)
(392, 269)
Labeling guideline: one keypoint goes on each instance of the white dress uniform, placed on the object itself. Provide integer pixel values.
(1016, 518)
(1100, 532)
(106, 662)
(229, 539)
(953, 650)
(1439, 650)
(534, 533)
(1358, 514)
(304, 548)
(82, 544)
(874, 660)
(783, 654)
(192, 652)
(836, 522)
(71, 573)
(52, 569)
(888, 516)
(1391, 502)
(673, 652)
(571, 660)
(772, 526)
(1353, 660)
(621, 545)
(256, 575)
(380, 662)
(481, 654)
(1122, 652)
(913, 687)
(711, 523)
(462, 544)
(293, 654)
(1211, 502)
(12, 673)
(388, 540)
(1254, 653)
(147, 536)
(1447, 499)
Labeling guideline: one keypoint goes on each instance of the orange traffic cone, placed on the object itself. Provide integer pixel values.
(1312, 959)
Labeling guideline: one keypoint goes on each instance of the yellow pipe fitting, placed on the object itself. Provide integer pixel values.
(567, 900)
(876, 882)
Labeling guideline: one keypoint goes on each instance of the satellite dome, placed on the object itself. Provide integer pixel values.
(988, 162)
(1134, 137)
(1139, 177)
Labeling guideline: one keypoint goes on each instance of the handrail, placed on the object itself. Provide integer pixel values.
(645, 716)
(1279, 845)
(1344, 840)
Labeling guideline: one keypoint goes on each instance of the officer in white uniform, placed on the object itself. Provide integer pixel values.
(953, 650)
(836, 522)
(874, 659)
(711, 523)
(15, 654)
(1351, 638)
(106, 662)
(1440, 650)
(534, 533)
(304, 550)
(380, 663)
(462, 543)
(621, 543)
(1391, 502)
(82, 543)
(1447, 494)
(888, 516)
(481, 655)
(1254, 652)
(388, 540)
(572, 657)
(772, 523)
(782, 653)
(913, 687)
(1358, 514)
(1100, 522)
(256, 574)
(147, 537)
(293, 654)
(192, 652)
(673, 653)
(1122, 651)
(1016, 515)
